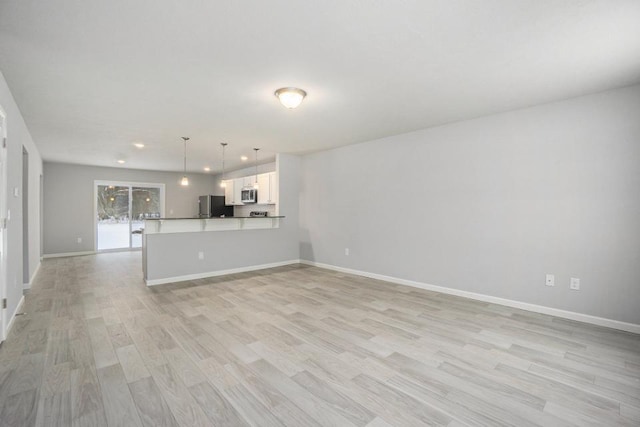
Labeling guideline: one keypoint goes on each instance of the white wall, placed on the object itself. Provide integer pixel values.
(491, 205)
(17, 137)
(69, 200)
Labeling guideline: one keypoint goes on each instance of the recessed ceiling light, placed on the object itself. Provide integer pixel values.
(244, 158)
(207, 169)
(121, 161)
(138, 144)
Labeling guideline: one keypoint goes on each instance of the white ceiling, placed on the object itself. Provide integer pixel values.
(93, 76)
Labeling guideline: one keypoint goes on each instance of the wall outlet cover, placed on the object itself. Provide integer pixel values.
(200, 255)
(550, 280)
(574, 284)
(346, 251)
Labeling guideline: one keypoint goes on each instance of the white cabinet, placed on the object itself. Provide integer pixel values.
(248, 181)
(267, 189)
(229, 195)
(264, 191)
(238, 183)
(233, 192)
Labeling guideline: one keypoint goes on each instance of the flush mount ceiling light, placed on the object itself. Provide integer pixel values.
(121, 161)
(185, 180)
(138, 144)
(207, 169)
(244, 158)
(290, 97)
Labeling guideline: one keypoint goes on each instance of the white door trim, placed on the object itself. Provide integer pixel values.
(4, 321)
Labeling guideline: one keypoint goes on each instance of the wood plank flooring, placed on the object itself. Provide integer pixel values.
(298, 346)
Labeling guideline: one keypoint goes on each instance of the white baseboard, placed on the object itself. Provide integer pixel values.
(586, 318)
(13, 316)
(33, 276)
(67, 254)
(154, 282)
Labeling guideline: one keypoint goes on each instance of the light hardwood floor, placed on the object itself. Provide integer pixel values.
(298, 346)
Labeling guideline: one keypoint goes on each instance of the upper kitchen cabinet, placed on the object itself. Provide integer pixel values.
(232, 189)
(228, 192)
(248, 181)
(238, 183)
(267, 189)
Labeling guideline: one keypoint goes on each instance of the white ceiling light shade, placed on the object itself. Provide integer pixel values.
(290, 97)
(138, 144)
(121, 161)
(185, 181)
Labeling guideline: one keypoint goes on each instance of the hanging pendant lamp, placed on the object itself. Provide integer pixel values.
(222, 183)
(255, 184)
(185, 181)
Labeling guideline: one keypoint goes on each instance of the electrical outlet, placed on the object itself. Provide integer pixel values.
(79, 239)
(551, 280)
(170, 211)
(346, 251)
(574, 284)
(200, 255)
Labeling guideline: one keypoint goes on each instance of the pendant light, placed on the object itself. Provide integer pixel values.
(222, 183)
(290, 97)
(185, 180)
(255, 185)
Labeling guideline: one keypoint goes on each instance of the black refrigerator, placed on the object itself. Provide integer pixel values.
(213, 206)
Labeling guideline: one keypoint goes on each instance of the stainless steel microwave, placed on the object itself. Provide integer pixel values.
(249, 195)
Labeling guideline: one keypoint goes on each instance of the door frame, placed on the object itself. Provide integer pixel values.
(129, 184)
(3, 223)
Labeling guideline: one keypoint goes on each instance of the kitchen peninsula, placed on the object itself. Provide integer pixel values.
(180, 249)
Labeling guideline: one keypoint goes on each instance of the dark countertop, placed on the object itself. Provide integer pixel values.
(216, 217)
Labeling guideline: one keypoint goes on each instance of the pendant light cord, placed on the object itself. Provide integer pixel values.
(185, 139)
(256, 150)
(224, 145)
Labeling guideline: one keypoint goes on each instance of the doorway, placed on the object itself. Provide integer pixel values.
(121, 208)
(26, 279)
(3, 224)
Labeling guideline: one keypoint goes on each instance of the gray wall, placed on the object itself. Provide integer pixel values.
(17, 137)
(491, 205)
(173, 255)
(69, 200)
